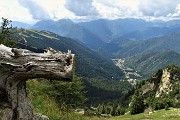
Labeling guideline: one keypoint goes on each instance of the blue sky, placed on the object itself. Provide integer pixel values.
(79, 10)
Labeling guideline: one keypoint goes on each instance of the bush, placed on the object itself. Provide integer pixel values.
(167, 107)
(71, 94)
(120, 111)
(89, 112)
(38, 92)
(176, 104)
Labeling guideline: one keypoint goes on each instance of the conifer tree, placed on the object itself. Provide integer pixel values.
(137, 103)
(5, 33)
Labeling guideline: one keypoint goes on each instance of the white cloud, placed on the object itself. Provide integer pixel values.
(56, 9)
(176, 14)
(11, 9)
(117, 8)
(158, 8)
(27, 10)
(81, 7)
(35, 9)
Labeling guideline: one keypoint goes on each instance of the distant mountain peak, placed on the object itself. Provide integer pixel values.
(65, 20)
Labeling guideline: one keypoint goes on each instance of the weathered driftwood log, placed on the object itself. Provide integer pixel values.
(19, 65)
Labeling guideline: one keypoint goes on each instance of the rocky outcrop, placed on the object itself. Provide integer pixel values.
(158, 92)
(19, 65)
(38, 116)
(165, 85)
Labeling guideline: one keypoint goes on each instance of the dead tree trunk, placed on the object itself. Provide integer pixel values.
(19, 65)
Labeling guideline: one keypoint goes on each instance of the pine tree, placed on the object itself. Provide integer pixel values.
(137, 103)
(71, 94)
(5, 34)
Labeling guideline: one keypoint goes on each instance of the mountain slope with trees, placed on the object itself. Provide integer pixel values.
(128, 48)
(150, 32)
(108, 30)
(89, 63)
(149, 62)
(67, 28)
(158, 92)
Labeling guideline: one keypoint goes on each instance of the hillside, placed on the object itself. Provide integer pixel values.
(21, 25)
(100, 30)
(128, 48)
(118, 38)
(89, 63)
(158, 92)
(149, 62)
(67, 28)
(150, 33)
(108, 30)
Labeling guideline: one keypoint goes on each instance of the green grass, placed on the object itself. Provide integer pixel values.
(172, 114)
(46, 105)
(45, 34)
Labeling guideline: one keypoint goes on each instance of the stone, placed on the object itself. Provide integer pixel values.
(165, 86)
(38, 116)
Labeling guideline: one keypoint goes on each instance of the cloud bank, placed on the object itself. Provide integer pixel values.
(81, 7)
(158, 8)
(117, 8)
(89, 9)
(35, 9)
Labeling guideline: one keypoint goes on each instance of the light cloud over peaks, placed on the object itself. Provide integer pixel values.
(111, 9)
(176, 14)
(56, 9)
(11, 9)
(158, 8)
(35, 9)
(81, 7)
(88, 9)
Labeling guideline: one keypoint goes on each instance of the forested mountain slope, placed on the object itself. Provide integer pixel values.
(149, 62)
(89, 63)
(94, 69)
(150, 32)
(67, 28)
(128, 48)
(158, 92)
(109, 30)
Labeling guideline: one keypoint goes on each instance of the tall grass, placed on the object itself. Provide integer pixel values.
(46, 105)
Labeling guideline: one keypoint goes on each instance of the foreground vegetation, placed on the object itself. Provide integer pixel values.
(172, 114)
(55, 99)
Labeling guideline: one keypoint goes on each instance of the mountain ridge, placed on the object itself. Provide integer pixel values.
(149, 62)
(89, 63)
(128, 48)
(67, 28)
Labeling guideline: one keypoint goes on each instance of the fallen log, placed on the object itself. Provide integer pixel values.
(19, 65)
